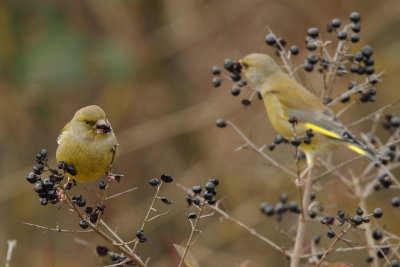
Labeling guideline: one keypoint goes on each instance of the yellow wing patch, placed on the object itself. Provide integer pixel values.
(322, 130)
(357, 149)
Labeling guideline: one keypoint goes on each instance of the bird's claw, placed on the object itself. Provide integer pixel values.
(62, 195)
(113, 177)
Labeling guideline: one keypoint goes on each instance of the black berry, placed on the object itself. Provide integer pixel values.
(216, 81)
(154, 182)
(336, 23)
(215, 70)
(84, 224)
(355, 17)
(378, 213)
(220, 123)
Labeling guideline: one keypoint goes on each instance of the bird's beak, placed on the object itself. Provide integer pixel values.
(102, 126)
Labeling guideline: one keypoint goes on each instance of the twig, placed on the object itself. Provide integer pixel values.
(368, 231)
(158, 215)
(147, 215)
(57, 229)
(194, 226)
(306, 256)
(354, 90)
(331, 75)
(92, 226)
(114, 234)
(329, 250)
(322, 175)
(373, 113)
(255, 148)
(121, 193)
(301, 225)
(11, 245)
(343, 110)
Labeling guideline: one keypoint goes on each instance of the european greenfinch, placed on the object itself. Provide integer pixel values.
(88, 144)
(286, 100)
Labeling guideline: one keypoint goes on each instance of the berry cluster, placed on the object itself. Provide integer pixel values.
(343, 34)
(156, 182)
(295, 141)
(93, 214)
(279, 43)
(363, 63)
(234, 70)
(280, 208)
(391, 122)
(47, 188)
(232, 67)
(356, 221)
(194, 194)
(165, 178)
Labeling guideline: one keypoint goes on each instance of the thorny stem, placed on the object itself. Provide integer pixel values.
(188, 243)
(147, 215)
(121, 248)
(301, 226)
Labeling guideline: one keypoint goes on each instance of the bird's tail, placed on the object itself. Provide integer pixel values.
(364, 150)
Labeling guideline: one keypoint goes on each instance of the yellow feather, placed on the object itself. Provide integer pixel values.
(357, 149)
(322, 130)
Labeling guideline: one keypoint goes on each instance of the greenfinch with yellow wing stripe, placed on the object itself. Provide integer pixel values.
(88, 144)
(286, 99)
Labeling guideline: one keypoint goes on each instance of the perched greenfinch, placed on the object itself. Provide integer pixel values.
(88, 144)
(285, 100)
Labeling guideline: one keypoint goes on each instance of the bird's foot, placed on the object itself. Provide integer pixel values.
(113, 177)
(62, 195)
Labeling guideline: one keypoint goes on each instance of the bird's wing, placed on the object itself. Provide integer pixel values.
(64, 131)
(299, 103)
(325, 122)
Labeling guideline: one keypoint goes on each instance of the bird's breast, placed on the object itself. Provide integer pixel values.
(91, 159)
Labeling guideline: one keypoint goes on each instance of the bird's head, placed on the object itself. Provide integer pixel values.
(258, 67)
(92, 121)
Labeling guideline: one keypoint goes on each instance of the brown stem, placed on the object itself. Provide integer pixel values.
(128, 253)
(147, 215)
(301, 226)
(192, 233)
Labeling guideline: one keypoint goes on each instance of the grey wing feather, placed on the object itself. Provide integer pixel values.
(327, 120)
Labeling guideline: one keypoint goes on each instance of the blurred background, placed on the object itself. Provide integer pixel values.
(147, 64)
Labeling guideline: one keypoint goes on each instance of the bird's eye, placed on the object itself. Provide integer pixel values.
(88, 122)
(245, 65)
